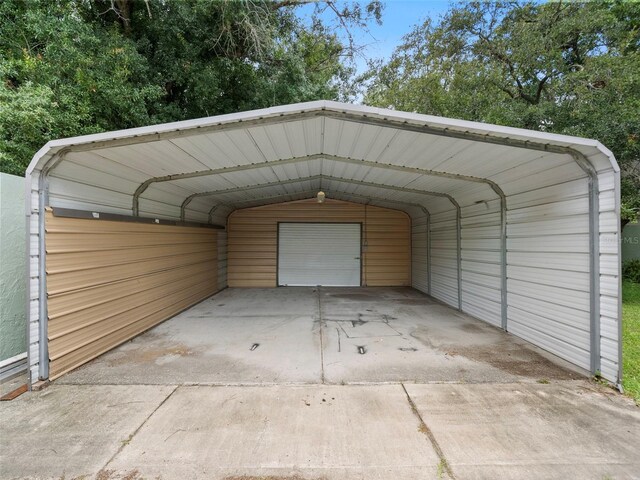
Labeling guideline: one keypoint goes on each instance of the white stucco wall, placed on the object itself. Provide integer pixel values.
(13, 268)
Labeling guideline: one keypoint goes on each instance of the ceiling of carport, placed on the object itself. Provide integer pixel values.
(290, 152)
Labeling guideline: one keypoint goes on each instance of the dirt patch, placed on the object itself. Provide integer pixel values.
(414, 301)
(353, 296)
(151, 354)
(112, 475)
(472, 328)
(498, 350)
(512, 358)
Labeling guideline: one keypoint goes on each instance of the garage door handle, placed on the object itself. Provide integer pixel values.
(356, 258)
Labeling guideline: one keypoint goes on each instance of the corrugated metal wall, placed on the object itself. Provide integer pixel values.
(35, 294)
(548, 265)
(222, 259)
(108, 281)
(444, 257)
(419, 254)
(252, 240)
(610, 254)
(481, 252)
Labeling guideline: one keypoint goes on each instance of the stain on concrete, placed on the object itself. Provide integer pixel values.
(158, 354)
(353, 296)
(512, 358)
(472, 327)
(494, 348)
(414, 301)
(112, 475)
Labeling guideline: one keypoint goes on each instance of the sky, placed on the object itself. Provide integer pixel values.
(398, 18)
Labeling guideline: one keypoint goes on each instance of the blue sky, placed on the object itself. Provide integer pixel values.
(398, 18)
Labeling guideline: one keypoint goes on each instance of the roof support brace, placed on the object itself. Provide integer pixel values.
(421, 171)
(331, 194)
(213, 193)
(310, 179)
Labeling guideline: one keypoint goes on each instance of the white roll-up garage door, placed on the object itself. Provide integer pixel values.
(312, 254)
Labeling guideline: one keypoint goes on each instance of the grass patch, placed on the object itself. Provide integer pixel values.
(631, 339)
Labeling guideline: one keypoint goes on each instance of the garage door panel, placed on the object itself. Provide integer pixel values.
(319, 254)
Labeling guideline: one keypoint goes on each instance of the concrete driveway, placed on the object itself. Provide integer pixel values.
(322, 384)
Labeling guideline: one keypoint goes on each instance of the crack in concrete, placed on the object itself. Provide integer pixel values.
(444, 464)
(126, 442)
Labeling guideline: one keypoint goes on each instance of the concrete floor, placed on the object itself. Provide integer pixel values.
(310, 336)
(435, 394)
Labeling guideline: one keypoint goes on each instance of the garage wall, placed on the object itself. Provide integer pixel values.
(548, 265)
(481, 254)
(419, 254)
(252, 240)
(444, 258)
(108, 281)
(222, 259)
(610, 257)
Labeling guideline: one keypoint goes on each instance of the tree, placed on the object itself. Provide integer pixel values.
(562, 67)
(73, 67)
(55, 84)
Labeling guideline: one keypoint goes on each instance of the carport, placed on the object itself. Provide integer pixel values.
(516, 228)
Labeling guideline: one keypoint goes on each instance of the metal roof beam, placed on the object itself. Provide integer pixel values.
(312, 178)
(308, 158)
(333, 194)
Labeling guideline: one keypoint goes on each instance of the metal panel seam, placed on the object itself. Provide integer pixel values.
(311, 178)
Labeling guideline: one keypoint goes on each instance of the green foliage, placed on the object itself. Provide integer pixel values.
(631, 339)
(73, 67)
(631, 270)
(53, 83)
(562, 67)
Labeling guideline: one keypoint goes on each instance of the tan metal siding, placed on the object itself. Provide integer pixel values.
(252, 240)
(109, 281)
(222, 259)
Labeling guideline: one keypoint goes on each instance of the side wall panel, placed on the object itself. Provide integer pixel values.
(109, 281)
(222, 260)
(419, 254)
(444, 258)
(610, 256)
(481, 279)
(33, 286)
(548, 269)
(252, 240)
